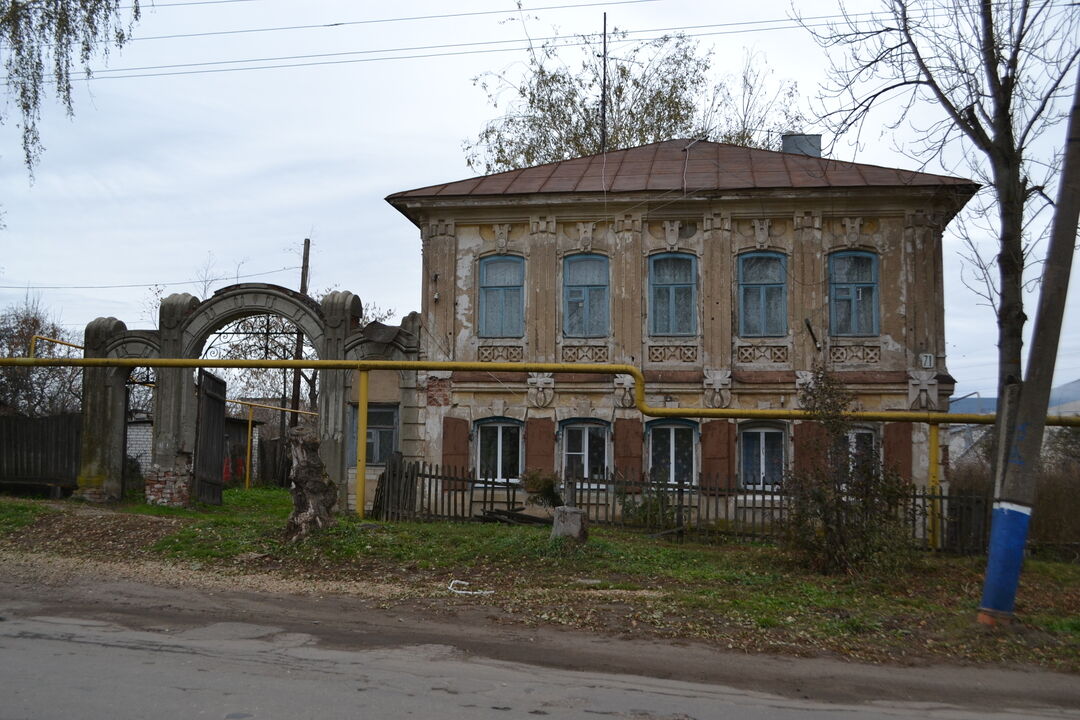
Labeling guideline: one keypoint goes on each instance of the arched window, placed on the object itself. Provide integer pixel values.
(672, 446)
(585, 296)
(585, 449)
(761, 457)
(673, 294)
(498, 449)
(853, 293)
(762, 295)
(502, 297)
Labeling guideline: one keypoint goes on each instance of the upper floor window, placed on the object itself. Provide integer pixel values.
(671, 451)
(762, 295)
(502, 296)
(761, 458)
(853, 293)
(585, 296)
(585, 448)
(673, 294)
(498, 449)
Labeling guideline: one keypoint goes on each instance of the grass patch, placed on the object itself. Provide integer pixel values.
(746, 597)
(17, 514)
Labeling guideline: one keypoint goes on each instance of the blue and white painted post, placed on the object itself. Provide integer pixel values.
(1008, 536)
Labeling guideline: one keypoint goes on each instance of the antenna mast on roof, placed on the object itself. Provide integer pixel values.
(603, 95)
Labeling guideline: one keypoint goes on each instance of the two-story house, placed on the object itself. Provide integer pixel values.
(725, 273)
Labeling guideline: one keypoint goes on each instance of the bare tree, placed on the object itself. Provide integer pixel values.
(983, 79)
(656, 90)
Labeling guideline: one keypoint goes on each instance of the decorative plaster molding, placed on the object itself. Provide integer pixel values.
(541, 389)
(585, 353)
(542, 225)
(440, 228)
(502, 236)
(762, 354)
(500, 353)
(585, 236)
(922, 389)
(852, 230)
(624, 391)
(869, 354)
(673, 353)
(761, 232)
(671, 233)
(717, 388)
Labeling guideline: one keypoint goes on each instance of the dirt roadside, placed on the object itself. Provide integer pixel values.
(161, 597)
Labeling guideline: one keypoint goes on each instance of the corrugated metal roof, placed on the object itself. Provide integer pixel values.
(686, 166)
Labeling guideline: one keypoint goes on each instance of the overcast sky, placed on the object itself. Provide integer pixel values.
(166, 172)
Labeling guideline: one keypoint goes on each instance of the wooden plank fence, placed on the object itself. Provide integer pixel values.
(40, 451)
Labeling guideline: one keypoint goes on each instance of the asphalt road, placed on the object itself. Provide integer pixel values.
(67, 667)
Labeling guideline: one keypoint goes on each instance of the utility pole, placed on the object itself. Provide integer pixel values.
(1016, 495)
(603, 96)
(298, 350)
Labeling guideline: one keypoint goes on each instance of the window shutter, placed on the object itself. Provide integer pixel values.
(455, 451)
(540, 445)
(629, 442)
(897, 450)
(810, 447)
(717, 455)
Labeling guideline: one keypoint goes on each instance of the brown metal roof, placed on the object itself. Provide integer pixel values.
(685, 166)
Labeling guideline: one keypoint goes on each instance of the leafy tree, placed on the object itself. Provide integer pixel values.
(37, 392)
(42, 41)
(656, 90)
(994, 77)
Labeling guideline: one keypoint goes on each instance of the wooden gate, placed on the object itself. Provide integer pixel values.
(210, 439)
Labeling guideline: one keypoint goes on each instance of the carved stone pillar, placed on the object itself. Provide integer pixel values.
(174, 408)
(342, 312)
(104, 403)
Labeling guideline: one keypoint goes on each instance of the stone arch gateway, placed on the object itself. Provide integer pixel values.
(184, 324)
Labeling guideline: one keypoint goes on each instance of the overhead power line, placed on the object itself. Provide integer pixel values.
(375, 21)
(147, 284)
(478, 48)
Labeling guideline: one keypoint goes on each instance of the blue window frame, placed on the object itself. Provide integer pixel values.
(585, 296)
(853, 293)
(762, 295)
(498, 449)
(761, 458)
(585, 448)
(502, 296)
(672, 445)
(673, 294)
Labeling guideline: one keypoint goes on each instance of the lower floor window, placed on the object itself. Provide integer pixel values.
(762, 458)
(585, 452)
(499, 451)
(671, 453)
(381, 433)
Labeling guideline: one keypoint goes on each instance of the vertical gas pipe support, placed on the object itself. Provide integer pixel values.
(934, 452)
(361, 441)
(247, 464)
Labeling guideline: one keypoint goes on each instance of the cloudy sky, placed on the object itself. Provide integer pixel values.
(230, 130)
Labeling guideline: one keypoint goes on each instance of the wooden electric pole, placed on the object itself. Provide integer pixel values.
(1016, 496)
(298, 350)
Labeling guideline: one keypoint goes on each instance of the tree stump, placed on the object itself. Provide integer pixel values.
(570, 522)
(314, 494)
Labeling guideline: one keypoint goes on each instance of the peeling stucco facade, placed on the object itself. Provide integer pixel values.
(901, 365)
